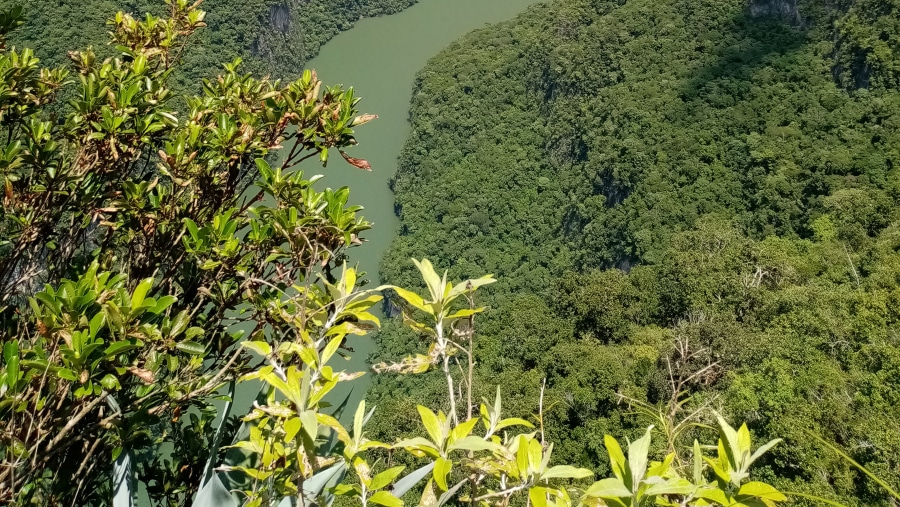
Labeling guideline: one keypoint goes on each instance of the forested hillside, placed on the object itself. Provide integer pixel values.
(683, 201)
(275, 37)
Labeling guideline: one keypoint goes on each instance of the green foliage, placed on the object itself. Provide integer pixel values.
(133, 252)
(272, 37)
(688, 206)
(500, 465)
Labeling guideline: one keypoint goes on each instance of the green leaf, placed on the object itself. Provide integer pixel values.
(730, 439)
(405, 484)
(310, 423)
(384, 478)
(535, 455)
(461, 314)
(419, 445)
(522, 456)
(66, 374)
(513, 421)
(315, 486)
(681, 487)
(762, 450)
(193, 332)
(413, 299)
(358, 419)
(743, 434)
(698, 463)
(473, 443)
(192, 348)
(566, 472)
(11, 359)
(260, 347)
(140, 292)
(713, 494)
(817, 499)
(853, 462)
(471, 285)
(110, 382)
(463, 429)
(119, 347)
(608, 488)
(724, 475)
(291, 428)
(761, 490)
(538, 496)
(386, 499)
(432, 425)
(214, 494)
(162, 304)
(431, 278)
(617, 459)
(331, 348)
(637, 458)
(441, 470)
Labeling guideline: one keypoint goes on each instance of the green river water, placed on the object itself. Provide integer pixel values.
(379, 57)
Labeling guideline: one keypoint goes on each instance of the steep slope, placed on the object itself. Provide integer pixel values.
(737, 174)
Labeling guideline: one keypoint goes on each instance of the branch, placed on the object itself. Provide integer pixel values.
(71, 424)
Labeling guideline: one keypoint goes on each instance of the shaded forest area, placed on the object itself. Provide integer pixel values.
(682, 201)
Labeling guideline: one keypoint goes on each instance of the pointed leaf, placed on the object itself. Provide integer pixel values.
(762, 450)
(566, 472)
(192, 348)
(473, 443)
(432, 425)
(761, 490)
(637, 458)
(140, 293)
(441, 470)
(413, 299)
(617, 459)
(681, 487)
(386, 499)
(384, 478)
(431, 278)
(214, 494)
(608, 488)
(405, 484)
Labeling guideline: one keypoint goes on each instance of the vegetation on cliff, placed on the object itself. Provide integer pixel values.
(683, 202)
(273, 37)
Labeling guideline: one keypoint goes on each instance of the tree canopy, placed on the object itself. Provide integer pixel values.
(680, 200)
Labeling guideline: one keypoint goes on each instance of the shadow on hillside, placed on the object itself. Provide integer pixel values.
(749, 44)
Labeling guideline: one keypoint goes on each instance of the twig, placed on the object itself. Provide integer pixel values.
(71, 424)
(541, 410)
(852, 268)
(505, 492)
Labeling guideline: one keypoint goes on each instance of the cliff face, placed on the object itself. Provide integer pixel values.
(292, 31)
(280, 17)
(785, 10)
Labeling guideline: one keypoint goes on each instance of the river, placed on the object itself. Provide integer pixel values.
(379, 57)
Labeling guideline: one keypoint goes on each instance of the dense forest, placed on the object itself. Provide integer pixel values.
(689, 207)
(273, 37)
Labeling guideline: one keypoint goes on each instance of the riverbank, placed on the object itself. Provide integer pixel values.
(380, 57)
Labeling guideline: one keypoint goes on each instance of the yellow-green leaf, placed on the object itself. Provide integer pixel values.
(441, 470)
(432, 425)
(386, 499)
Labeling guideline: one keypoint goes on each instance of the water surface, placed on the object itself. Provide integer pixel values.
(379, 57)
